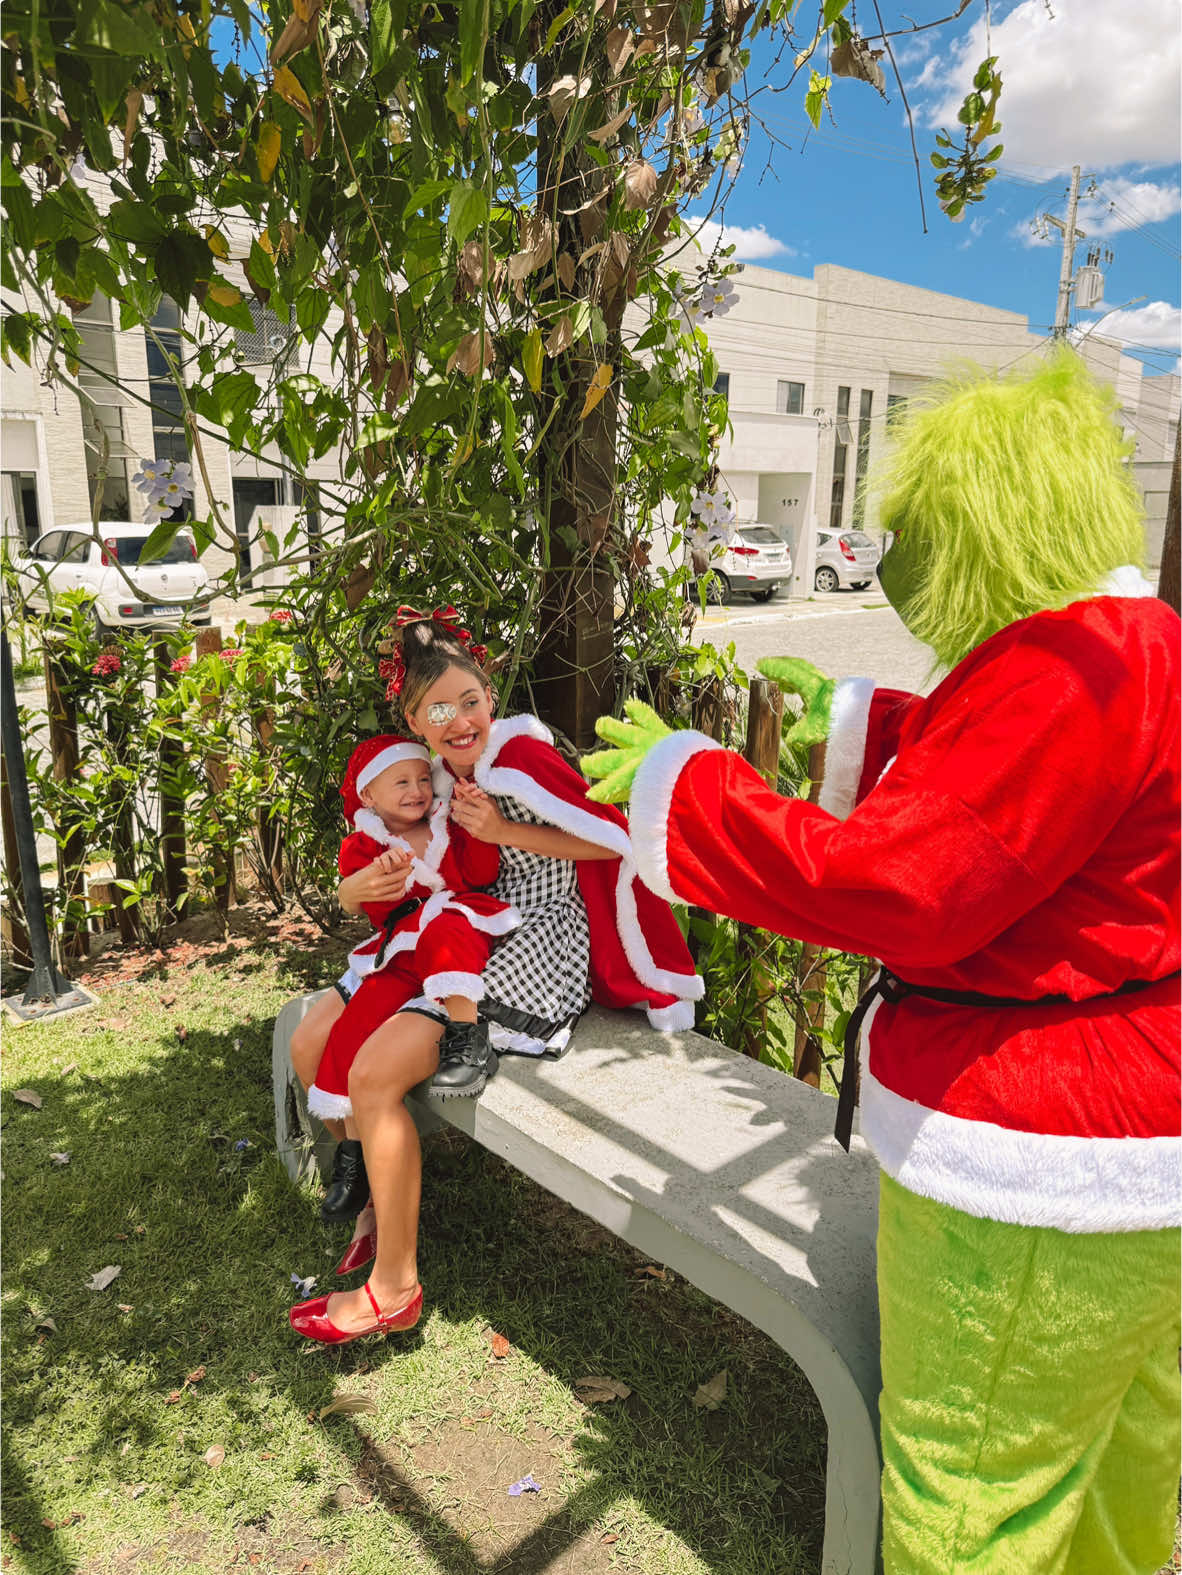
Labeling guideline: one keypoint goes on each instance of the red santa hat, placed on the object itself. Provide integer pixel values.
(373, 756)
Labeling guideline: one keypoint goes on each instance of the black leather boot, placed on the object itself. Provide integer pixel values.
(466, 1060)
(348, 1186)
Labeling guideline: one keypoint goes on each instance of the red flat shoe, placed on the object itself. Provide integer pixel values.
(359, 1252)
(311, 1319)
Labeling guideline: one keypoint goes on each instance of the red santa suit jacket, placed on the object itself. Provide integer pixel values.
(1023, 841)
(446, 878)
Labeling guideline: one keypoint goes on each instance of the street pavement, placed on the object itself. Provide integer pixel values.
(846, 634)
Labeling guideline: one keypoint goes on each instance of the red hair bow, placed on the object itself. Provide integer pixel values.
(447, 616)
(393, 668)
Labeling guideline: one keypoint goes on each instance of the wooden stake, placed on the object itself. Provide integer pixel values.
(64, 755)
(172, 806)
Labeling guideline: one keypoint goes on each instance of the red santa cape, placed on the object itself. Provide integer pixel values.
(1015, 835)
(638, 954)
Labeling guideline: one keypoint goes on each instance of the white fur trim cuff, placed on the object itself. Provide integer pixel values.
(652, 794)
(329, 1107)
(392, 755)
(1076, 1184)
(845, 748)
(438, 986)
(675, 1019)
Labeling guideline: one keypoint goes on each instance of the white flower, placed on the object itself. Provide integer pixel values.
(718, 298)
(714, 513)
(691, 120)
(733, 165)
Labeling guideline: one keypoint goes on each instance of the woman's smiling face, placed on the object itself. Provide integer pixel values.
(453, 719)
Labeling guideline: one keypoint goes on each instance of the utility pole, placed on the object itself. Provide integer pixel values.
(1067, 266)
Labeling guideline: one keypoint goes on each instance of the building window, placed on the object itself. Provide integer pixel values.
(22, 520)
(896, 405)
(841, 445)
(103, 436)
(861, 459)
(789, 398)
(269, 341)
(165, 362)
(722, 384)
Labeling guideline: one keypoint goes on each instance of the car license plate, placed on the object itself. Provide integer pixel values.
(161, 612)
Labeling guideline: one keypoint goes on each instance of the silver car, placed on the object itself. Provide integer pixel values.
(845, 560)
(756, 559)
(70, 559)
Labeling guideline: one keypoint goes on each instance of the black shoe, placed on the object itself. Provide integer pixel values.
(348, 1186)
(466, 1060)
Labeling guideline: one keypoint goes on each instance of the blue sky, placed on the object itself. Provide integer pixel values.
(1086, 82)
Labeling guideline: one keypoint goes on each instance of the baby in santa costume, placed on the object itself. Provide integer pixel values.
(1009, 847)
(432, 944)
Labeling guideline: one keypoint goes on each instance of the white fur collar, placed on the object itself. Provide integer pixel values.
(1125, 581)
(424, 871)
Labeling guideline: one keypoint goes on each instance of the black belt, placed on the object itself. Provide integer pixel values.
(393, 919)
(891, 988)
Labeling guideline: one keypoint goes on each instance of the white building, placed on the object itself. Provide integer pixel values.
(813, 367)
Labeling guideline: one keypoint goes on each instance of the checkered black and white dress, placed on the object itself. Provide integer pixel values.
(537, 981)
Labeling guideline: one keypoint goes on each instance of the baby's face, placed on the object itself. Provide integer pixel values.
(401, 794)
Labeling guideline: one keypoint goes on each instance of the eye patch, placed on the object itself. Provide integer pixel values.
(440, 713)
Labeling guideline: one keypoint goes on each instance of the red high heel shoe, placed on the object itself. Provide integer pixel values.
(359, 1252)
(311, 1319)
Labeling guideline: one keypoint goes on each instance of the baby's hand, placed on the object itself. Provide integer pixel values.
(393, 860)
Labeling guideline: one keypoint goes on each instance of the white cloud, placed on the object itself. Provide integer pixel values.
(751, 245)
(1094, 83)
(1157, 325)
(1121, 204)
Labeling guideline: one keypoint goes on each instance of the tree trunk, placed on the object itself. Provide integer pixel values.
(1169, 582)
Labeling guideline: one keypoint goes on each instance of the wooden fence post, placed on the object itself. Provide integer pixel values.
(13, 929)
(209, 640)
(172, 806)
(64, 755)
(806, 1050)
(765, 709)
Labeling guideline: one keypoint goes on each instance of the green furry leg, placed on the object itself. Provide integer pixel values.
(1030, 1405)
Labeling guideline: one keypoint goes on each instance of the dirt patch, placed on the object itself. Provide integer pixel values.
(458, 1503)
(246, 1547)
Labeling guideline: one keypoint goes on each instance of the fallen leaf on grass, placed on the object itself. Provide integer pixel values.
(59, 1159)
(598, 1391)
(609, 1537)
(174, 1396)
(214, 1455)
(28, 1096)
(195, 1376)
(182, 1033)
(66, 1070)
(167, 1000)
(652, 1270)
(104, 1277)
(139, 1490)
(348, 1404)
(46, 1324)
(500, 1346)
(712, 1394)
(125, 1307)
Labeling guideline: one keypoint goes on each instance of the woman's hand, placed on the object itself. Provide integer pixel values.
(472, 808)
(383, 881)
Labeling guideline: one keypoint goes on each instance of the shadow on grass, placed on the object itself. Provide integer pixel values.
(172, 1176)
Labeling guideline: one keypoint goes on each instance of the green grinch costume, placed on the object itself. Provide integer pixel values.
(1009, 847)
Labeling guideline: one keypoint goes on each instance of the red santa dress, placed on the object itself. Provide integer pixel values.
(589, 929)
(433, 943)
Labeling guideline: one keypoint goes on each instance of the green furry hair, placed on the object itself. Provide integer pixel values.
(1016, 498)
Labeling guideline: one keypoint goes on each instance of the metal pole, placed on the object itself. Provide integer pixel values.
(47, 991)
(1067, 266)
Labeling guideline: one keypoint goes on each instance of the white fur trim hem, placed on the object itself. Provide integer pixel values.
(440, 985)
(502, 1038)
(329, 1107)
(652, 794)
(845, 748)
(1074, 1184)
(673, 1019)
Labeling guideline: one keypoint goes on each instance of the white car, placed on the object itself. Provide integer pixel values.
(756, 560)
(163, 592)
(845, 559)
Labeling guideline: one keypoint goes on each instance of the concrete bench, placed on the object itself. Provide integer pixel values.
(722, 1168)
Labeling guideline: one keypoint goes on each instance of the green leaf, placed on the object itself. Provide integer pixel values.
(229, 400)
(472, 39)
(137, 222)
(159, 541)
(580, 320)
(816, 97)
(14, 334)
(532, 358)
(423, 196)
(182, 260)
(466, 210)
(833, 9)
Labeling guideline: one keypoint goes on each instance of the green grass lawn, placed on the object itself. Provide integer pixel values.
(161, 1098)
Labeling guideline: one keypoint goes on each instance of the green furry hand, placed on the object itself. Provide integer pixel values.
(798, 677)
(632, 740)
